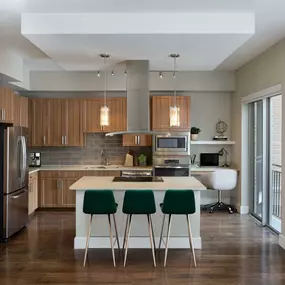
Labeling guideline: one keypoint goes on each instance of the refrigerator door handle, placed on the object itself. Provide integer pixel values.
(19, 195)
(19, 158)
(24, 144)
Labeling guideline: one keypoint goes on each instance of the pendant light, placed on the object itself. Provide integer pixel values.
(104, 111)
(174, 112)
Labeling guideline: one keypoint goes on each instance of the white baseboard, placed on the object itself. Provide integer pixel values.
(243, 209)
(136, 242)
(282, 241)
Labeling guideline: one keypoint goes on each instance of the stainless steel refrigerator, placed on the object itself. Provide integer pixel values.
(14, 196)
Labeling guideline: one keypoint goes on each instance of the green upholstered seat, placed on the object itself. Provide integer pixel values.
(99, 202)
(139, 202)
(179, 202)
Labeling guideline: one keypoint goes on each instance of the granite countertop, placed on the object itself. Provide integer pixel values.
(106, 182)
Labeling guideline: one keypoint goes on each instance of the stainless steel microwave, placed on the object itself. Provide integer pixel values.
(175, 143)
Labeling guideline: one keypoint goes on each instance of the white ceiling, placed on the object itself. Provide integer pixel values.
(69, 52)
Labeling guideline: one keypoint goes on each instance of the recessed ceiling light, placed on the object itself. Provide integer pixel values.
(112, 72)
(98, 73)
(160, 75)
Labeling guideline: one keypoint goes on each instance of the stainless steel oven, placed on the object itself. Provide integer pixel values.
(171, 166)
(174, 144)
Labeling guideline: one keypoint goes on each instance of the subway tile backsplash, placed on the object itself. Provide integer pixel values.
(91, 153)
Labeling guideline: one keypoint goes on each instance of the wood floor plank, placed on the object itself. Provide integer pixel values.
(236, 251)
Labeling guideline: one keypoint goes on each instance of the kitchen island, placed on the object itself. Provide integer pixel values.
(139, 232)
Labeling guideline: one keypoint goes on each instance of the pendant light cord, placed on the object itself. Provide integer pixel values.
(105, 78)
(174, 77)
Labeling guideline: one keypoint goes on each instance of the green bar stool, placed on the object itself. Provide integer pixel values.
(139, 202)
(100, 202)
(177, 202)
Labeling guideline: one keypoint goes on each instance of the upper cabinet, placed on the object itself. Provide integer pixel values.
(20, 111)
(117, 115)
(39, 122)
(137, 140)
(72, 122)
(6, 105)
(55, 122)
(160, 113)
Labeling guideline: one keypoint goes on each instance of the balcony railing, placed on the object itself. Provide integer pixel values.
(276, 190)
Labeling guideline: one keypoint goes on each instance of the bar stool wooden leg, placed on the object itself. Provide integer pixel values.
(167, 240)
(127, 240)
(151, 239)
(116, 230)
(153, 235)
(160, 240)
(126, 230)
(111, 240)
(191, 240)
(87, 240)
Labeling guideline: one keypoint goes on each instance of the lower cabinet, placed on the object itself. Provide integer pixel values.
(54, 186)
(33, 192)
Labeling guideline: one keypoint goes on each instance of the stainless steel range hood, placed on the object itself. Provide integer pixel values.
(138, 99)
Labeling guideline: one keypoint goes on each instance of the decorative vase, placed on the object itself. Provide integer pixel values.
(194, 137)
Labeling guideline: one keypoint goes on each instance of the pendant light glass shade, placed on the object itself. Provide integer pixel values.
(104, 116)
(104, 110)
(174, 112)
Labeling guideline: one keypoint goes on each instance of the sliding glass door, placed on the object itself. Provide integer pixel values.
(265, 119)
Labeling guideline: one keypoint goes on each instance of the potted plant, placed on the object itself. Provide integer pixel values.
(194, 133)
(142, 160)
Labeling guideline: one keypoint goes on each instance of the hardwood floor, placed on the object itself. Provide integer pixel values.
(235, 251)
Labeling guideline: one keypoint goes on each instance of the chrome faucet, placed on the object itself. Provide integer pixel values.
(105, 155)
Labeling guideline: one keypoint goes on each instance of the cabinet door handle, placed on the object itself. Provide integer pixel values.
(57, 184)
(1, 114)
(4, 114)
(62, 140)
(139, 140)
(44, 140)
(136, 139)
(65, 140)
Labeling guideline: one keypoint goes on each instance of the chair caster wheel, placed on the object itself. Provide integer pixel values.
(205, 209)
(211, 212)
(231, 212)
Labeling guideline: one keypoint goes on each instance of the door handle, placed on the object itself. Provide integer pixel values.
(136, 139)
(44, 140)
(139, 140)
(1, 114)
(65, 140)
(4, 114)
(19, 195)
(62, 140)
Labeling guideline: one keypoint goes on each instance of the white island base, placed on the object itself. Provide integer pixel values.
(139, 237)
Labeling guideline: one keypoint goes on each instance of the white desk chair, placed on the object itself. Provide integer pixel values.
(220, 180)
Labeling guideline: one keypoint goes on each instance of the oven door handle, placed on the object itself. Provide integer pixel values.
(168, 166)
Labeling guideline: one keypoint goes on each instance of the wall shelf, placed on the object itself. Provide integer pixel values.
(214, 142)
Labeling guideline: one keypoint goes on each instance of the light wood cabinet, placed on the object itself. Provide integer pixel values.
(72, 122)
(67, 199)
(54, 186)
(24, 117)
(6, 105)
(39, 122)
(117, 115)
(20, 111)
(49, 192)
(91, 115)
(33, 192)
(137, 140)
(55, 122)
(160, 113)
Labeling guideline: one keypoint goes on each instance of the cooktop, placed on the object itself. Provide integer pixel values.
(138, 179)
